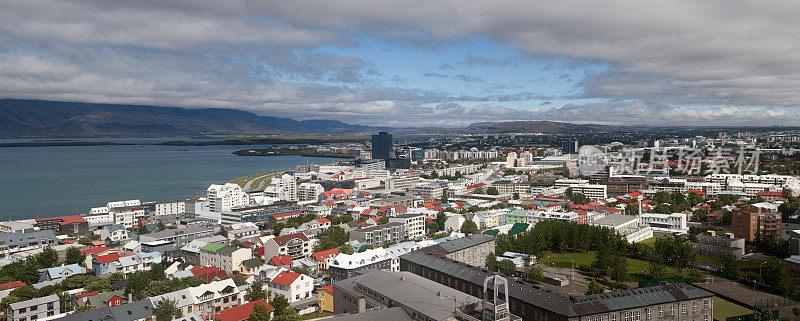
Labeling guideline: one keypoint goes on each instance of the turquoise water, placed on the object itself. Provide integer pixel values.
(63, 180)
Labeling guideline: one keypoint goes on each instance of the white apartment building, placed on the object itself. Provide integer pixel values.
(223, 198)
(592, 191)
(666, 223)
(629, 226)
(283, 187)
(99, 216)
(309, 192)
(415, 224)
(170, 208)
(206, 299)
(429, 190)
(128, 213)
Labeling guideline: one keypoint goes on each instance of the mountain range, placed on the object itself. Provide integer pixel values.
(41, 118)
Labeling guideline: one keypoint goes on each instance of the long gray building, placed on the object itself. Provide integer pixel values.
(380, 234)
(712, 245)
(11, 243)
(664, 302)
(471, 249)
(178, 237)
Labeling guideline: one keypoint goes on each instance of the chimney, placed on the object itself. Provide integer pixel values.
(711, 233)
(729, 235)
(362, 304)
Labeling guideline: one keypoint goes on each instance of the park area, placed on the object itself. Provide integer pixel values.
(724, 309)
(636, 269)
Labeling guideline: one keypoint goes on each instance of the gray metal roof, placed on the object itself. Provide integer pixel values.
(598, 303)
(614, 220)
(424, 296)
(458, 244)
(102, 313)
(394, 314)
(35, 301)
(133, 311)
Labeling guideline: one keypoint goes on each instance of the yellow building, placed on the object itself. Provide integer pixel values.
(326, 299)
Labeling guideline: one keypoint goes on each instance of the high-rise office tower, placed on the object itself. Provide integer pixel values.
(382, 146)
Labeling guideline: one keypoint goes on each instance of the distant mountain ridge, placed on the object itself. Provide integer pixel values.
(541, 126)
(42, 118)
(20, 117)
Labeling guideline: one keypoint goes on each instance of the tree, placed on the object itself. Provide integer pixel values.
(594, 288)
(224, 232)
(534, 274)
(491, 262)
(74, 256)
(441, 219)
(260, 313)
(346, 249)
(506, 267)
(137, 283)
(142, 230)
(619, 268)
(516, 196)
(255, 292)
(84, 308)
(166, 310)
(796, 312)
(48, 258)
(776, 275)
(492, 191)
(383, 220)
(657, 270)
(287, 315)
(331, 238)
(239, 279)
(279, 303)
(730, 266)
(157, 272)
(469, 227)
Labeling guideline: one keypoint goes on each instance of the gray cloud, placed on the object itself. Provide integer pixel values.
(663, 59)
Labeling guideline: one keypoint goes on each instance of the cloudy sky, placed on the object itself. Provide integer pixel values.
(416, 63)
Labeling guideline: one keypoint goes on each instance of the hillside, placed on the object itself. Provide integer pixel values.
(541, 126)
(53, 119)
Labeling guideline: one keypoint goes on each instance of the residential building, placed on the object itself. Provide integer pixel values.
(259, 214)
(296, 246)
(415, 224)
(345, 266)
(178, 237)
(433, 190)
(34, 309)
(205, 300)
(624, 184)
(309, 192)
(242, 312)
(114, 233)
(223, 198)
(317, 210)
(380, 234)
(471, 249)
(11, 243)
(129, 213)
(711, 245)
(225, 257)
(749, 220)
(293, 286)
(59, 273)
(73, 225)
(283, 187)
(325, 299)
(324, 258)
(250, 266)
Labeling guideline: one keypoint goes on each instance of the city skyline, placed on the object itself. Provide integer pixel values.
(414, 64)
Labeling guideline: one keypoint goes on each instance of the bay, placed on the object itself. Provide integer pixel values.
(64, 180)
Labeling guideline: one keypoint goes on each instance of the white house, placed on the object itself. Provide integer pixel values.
(667, 223)
(293, 286)
(223, 198)
(114, 233)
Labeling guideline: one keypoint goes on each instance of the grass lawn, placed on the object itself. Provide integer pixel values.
(585, 259)
(724, 309)
(651, 241)
(314, 315)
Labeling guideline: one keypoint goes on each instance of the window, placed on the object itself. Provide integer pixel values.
(50, 306)
(705, 305)
(660, 312)
(694, 307)
(34, 308)
(672, 310)
(649, 313)
(638, 315)
(613, 317)
(50, 313)
(705, 318)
